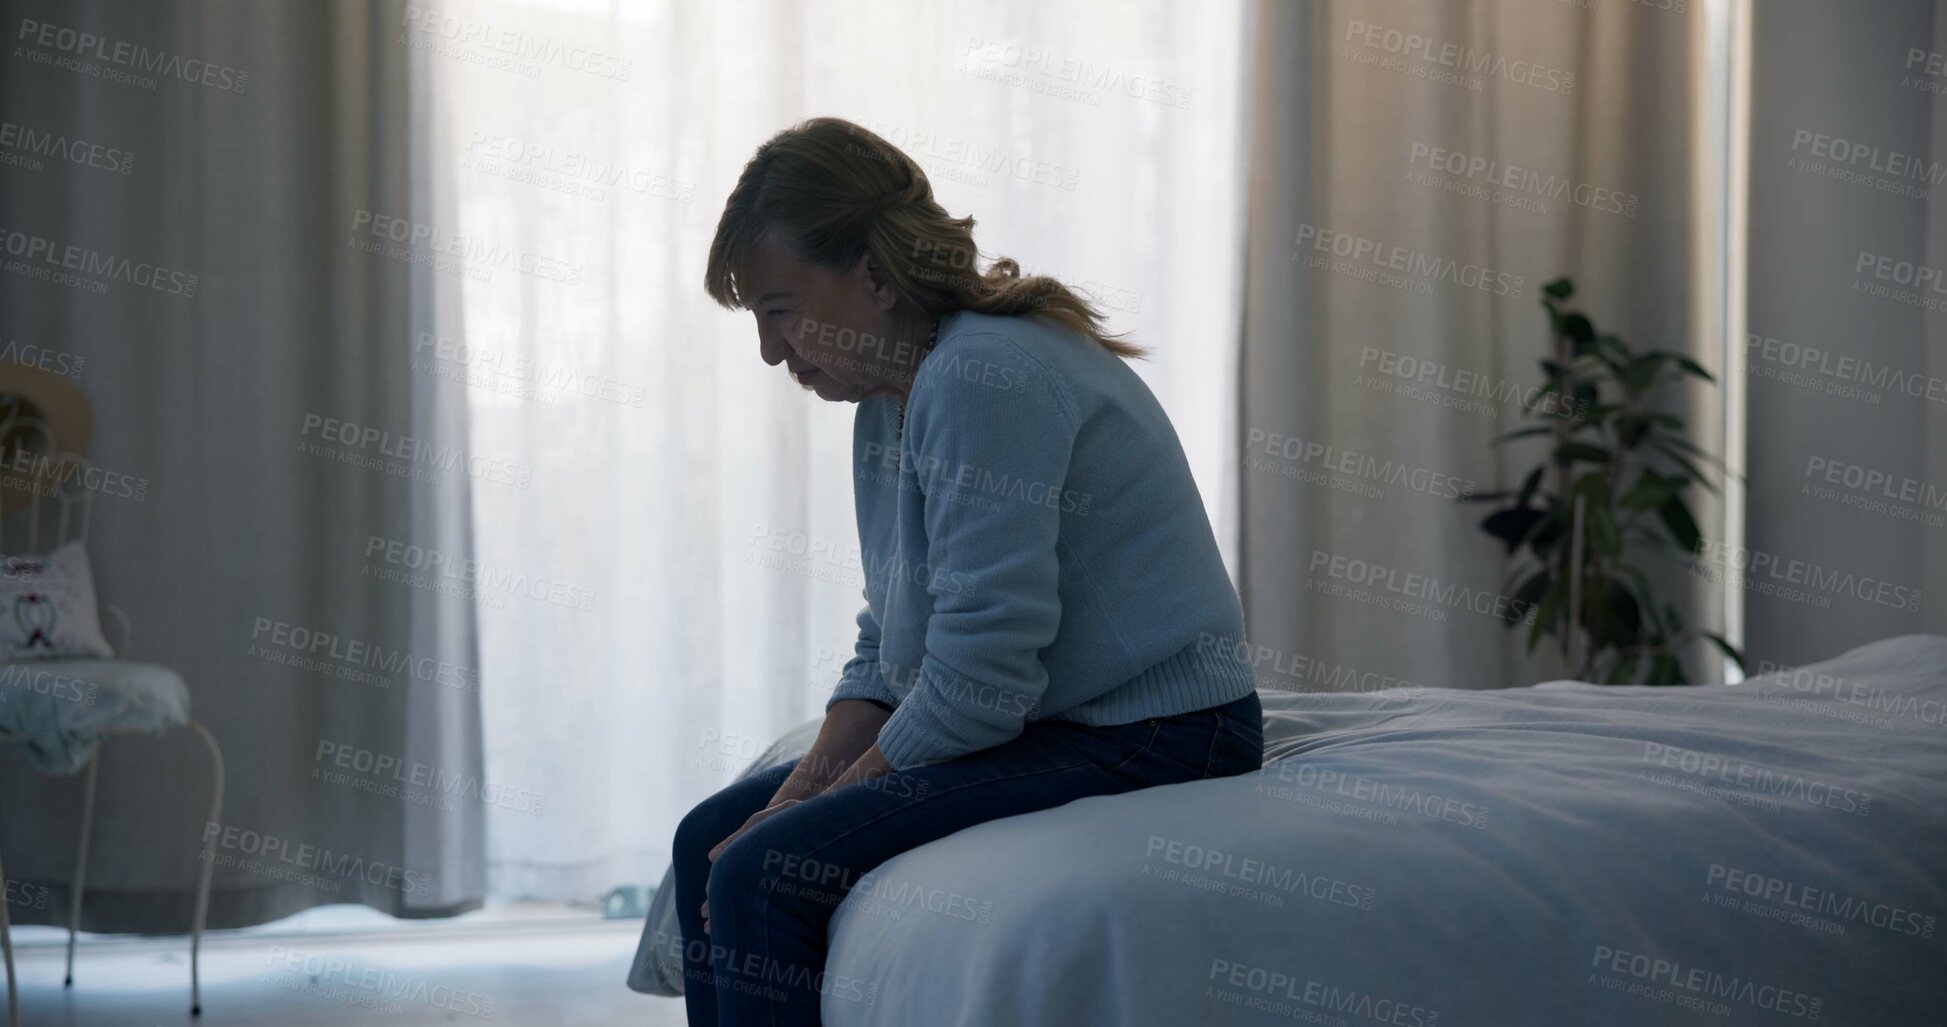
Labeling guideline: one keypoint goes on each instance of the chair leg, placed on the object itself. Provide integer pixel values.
(7, 947)
(209, 865)
(81, 858)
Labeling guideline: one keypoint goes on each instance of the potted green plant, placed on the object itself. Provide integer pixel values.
(1609, 494)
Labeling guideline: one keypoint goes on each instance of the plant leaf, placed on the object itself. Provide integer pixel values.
(1593, 487)
(1696, 474)
(1695, 368)
(1600, 529)
(1724, 645)
(1649, 492)
(1552, 600)
(1549, 531)
(1683, 528)
(1522, 433)
(1512, 525)
(1528, 594)
(1631, 430)
(1597, 413)
(1529, 484)
(1572, 451)
(1681, 441)
(1581, 332)
(1613, 350)
(1641, 373)
(1616, 617)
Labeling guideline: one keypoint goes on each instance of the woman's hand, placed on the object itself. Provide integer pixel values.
(755, 819)
(839, 735)
(870, 765)
(850, 728)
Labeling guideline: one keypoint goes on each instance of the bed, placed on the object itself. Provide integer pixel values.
(1768, 852)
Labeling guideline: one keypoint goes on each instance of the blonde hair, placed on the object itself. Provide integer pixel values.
(831, 190)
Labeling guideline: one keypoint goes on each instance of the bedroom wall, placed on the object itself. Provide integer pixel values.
(1847, 523)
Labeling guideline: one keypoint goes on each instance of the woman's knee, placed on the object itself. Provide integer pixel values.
(764, 861)
(736, 874)
(706, 824)
(712, 820)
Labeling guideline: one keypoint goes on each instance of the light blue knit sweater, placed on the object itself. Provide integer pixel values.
(1034, 547)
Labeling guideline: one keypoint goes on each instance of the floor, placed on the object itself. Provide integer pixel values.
(336, 966)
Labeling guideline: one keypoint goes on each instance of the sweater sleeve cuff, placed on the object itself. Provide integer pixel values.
(866, 683)
(915, 736)
(928, 728)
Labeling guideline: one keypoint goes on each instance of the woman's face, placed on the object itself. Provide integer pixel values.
(833, 331)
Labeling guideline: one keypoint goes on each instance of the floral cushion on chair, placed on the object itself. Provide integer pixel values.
(47, 607)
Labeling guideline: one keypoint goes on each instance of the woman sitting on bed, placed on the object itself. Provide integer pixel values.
(1047, 615)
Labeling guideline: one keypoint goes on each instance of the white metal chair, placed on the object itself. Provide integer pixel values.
(73, 498)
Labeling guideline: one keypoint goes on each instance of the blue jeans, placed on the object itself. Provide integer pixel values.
(772, 892)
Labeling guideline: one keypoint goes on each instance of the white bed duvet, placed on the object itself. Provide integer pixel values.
(1773, 852)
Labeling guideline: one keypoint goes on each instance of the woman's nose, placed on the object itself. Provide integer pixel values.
(772, 348)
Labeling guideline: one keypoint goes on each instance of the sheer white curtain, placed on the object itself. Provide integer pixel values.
(676, 585)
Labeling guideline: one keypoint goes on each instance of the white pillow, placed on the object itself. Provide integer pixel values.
(47, 607)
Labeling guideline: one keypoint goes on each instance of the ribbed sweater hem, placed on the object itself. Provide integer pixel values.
(1190, 679)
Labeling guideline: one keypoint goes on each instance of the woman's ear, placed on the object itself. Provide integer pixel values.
(876, 283)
